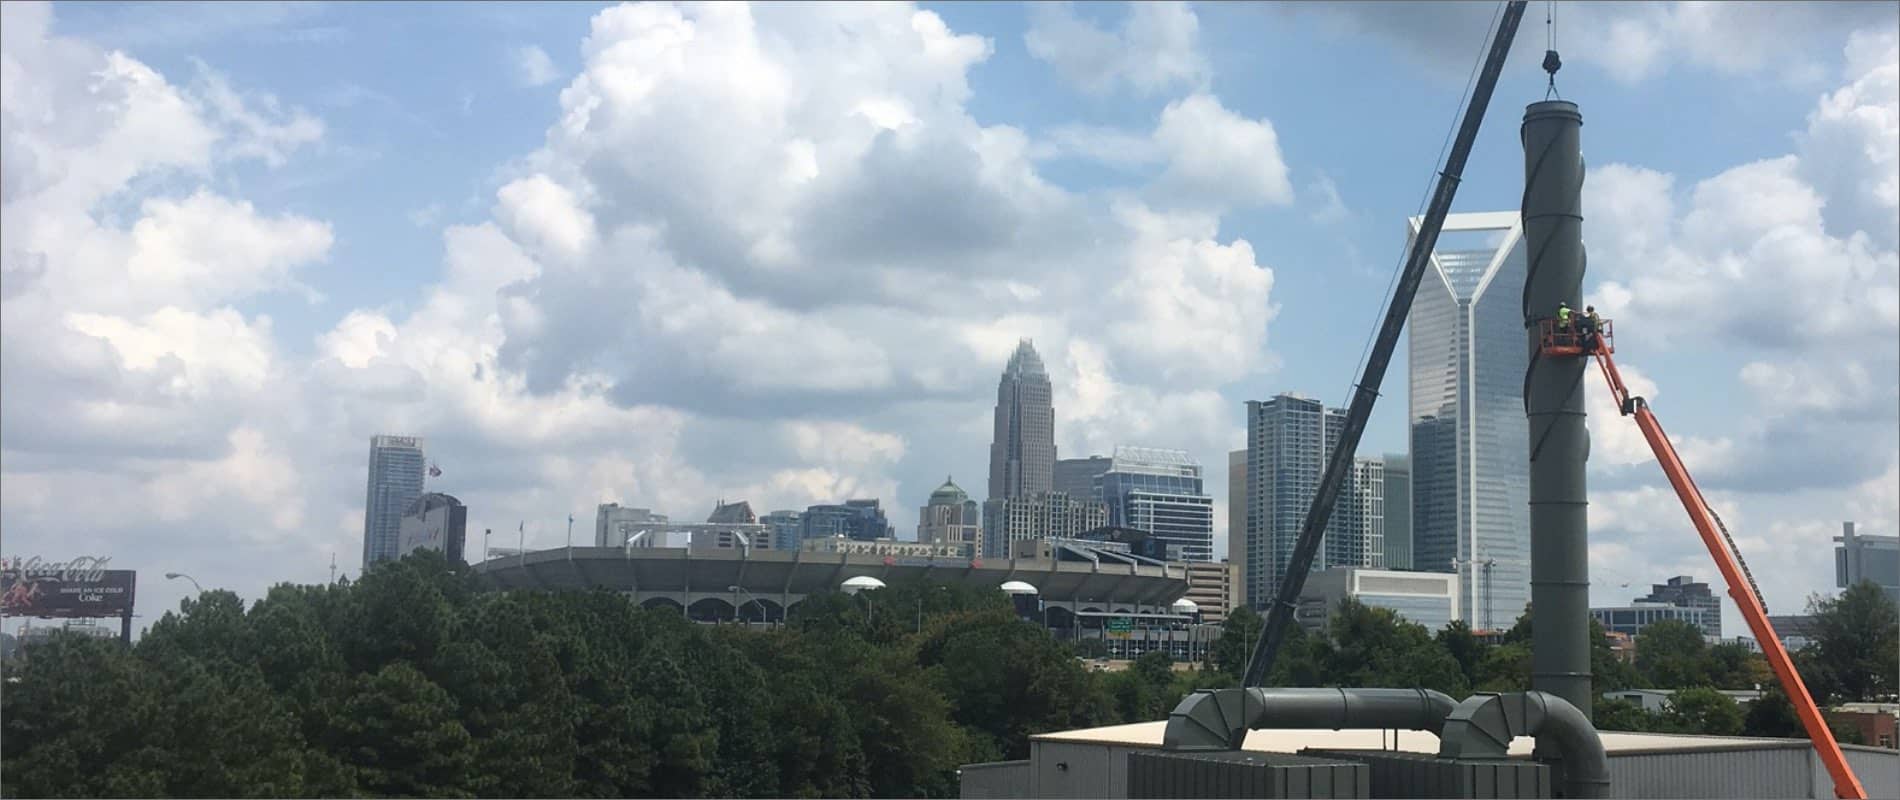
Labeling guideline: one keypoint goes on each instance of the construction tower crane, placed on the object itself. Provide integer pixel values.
(1559, 342)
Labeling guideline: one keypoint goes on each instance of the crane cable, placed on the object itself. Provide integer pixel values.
(1551, 62)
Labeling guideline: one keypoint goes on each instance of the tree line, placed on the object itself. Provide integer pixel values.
(412, 681)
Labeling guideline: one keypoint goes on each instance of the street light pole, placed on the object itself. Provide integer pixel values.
(172, 576)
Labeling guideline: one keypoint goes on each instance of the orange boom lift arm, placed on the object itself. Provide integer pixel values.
(1558, 341)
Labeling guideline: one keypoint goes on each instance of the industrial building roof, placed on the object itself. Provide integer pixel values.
(1148, 734)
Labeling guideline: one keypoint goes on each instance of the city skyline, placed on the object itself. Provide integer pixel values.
(239, 243)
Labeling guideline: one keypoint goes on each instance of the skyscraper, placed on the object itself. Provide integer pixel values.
(1023, 452)
(1398, 511)
(1075, 477)
(950, 517)
(1470, 441)
(1289, 439)
(395, 481)
(1160, 492)
(786, 528)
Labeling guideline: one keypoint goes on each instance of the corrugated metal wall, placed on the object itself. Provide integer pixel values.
(996, 779)
(1082, 769)
(1753, 773)
(1877, 769)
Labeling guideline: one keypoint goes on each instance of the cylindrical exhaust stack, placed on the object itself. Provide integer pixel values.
(1553, 402)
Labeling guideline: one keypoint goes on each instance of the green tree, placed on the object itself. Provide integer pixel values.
(400, 733)
(1374, 647)
(1857, 643)
(1772, 715)
(1238, 634)
(1625, 716)
(1731, 665)
(1703, 710)
(1671, 654)
(1007, 680)
(1506, 668)
(1607, 672)
(1464, 648)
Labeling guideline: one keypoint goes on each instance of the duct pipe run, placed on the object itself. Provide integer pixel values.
(1218, 719)
(1553, 404)
(1482, 727)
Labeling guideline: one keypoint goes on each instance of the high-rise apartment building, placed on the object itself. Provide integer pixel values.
(1469, 438)
(1289, 439)
(1075, 477)
(1363, 502)
(1023, 452)
(1049, 515)
(395, 481)
(1860, 557)
(1160, 492)
(1237, 521)
(950, 517)
(1398, 512)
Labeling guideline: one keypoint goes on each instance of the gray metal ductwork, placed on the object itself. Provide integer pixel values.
(1482, 727)
(1553, 404)
(1218, 719)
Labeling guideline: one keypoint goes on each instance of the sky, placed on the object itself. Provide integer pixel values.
(669, 254)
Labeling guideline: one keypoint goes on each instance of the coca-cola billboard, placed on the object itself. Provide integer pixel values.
(81, 587)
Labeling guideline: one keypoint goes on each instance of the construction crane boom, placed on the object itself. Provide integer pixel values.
(1366, 391)
(1728, 559)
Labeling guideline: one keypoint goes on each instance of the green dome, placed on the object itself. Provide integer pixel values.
(948, 494)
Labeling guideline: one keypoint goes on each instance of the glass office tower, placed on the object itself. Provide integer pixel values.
(1469, 438)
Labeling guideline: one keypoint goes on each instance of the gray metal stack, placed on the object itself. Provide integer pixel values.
(1553, 403)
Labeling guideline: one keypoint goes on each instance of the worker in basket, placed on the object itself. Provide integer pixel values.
(1564, 331)
(1591, 326)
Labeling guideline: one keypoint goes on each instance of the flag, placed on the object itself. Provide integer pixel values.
(434, 471)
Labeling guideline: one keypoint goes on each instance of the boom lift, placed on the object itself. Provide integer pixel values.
(1558, 341)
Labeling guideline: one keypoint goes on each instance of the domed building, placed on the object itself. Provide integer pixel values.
(950, 517)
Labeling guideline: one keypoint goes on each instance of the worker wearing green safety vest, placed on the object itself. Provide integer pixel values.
(1563, 317)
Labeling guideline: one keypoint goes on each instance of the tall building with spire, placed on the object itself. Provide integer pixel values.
(1023, 452)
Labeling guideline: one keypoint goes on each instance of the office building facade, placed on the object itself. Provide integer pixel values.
(1049, 515)
(1214, 587)
(1859, 557)
(1076, 477)
(1160, 492)
(855, 519)
(950, 517)
(1685, 591)
(1023, 451)
(785, 528)
(438, 522)
(1470, 443)
(1429, 599)
(396, 466)
(614, 524)
(1397, 538)
(1633, 618)
(1289, 439)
